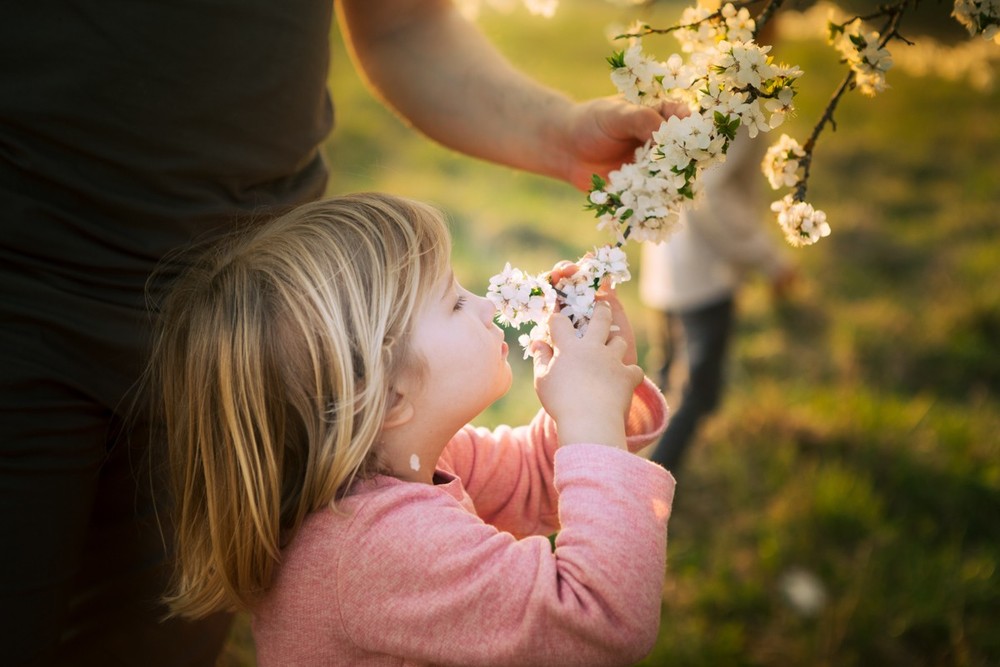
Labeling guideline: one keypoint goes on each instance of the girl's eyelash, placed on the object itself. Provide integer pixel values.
(459, 303)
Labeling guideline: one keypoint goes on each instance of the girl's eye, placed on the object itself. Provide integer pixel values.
(459, 303)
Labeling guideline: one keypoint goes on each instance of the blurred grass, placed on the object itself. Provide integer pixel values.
(860, 437)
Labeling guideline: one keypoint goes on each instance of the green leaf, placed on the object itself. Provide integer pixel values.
(616, 60)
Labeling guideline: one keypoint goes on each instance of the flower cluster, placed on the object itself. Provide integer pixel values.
(980, 17)
(727, 81)
(783, 167)
(861, 51)
(781, 163)
(639, 201)
(706, 24)
(522, 298)
(802, 224)
(973, 61)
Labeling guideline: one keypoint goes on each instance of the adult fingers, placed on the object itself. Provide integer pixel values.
(668, 109)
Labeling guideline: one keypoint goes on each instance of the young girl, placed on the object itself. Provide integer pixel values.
(317, 377)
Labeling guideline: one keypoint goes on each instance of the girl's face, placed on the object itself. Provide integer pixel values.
(463, 369)
(463, 352)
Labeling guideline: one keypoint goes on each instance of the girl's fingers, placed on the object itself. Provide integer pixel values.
(560, 328)
(636, 375)
(619, 346)
(600, 322)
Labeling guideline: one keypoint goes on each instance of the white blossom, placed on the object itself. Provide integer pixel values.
(980, 17)
(862, 53)
(781, 162)
(753, 118)
(608, 261)
(700, 34)
(680, 141)
(519, 297)
(522, 298)
(537, 332)
(599, 197)
(639, 81)
(577, 296)
(746, 63)
(739, 26)
(779, 107)
(677, 74)
(802, 224)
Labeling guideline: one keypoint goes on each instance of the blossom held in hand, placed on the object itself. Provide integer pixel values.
(520, 297)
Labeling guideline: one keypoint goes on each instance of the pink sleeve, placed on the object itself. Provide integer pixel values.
(508, 472)
(427, 580)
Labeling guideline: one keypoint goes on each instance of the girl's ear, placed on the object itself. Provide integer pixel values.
(400, 412)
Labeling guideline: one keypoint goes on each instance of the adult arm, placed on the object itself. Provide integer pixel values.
(441, 74)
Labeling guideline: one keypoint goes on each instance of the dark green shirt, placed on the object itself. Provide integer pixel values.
(129, 127)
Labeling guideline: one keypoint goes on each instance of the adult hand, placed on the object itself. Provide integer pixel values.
(443, 76)
(604, 133)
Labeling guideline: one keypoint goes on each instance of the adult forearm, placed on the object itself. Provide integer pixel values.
(442, 76)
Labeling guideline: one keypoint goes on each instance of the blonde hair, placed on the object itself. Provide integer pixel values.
(274, 363)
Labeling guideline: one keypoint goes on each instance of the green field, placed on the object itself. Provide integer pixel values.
(860, 437)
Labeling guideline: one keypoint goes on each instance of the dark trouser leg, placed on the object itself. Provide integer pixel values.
(82, 566)
(48, 481)
(706, 336)
(665, 340)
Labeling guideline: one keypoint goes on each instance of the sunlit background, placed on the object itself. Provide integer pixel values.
(843, 505)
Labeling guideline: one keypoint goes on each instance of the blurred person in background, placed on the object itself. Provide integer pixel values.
(690, 283)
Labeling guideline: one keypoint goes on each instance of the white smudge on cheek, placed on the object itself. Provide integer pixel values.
(415, 462)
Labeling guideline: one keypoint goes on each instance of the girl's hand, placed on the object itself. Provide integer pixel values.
(583, 383)
(620, 324)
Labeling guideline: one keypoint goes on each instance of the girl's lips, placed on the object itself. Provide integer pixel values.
(503, 349)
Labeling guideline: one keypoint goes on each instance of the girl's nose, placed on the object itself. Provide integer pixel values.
(486, 308)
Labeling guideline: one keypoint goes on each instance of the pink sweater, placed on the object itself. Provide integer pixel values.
(461, 573)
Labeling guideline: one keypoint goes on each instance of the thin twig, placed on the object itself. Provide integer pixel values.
(648, 30)
(889, 30)
(766, 14)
